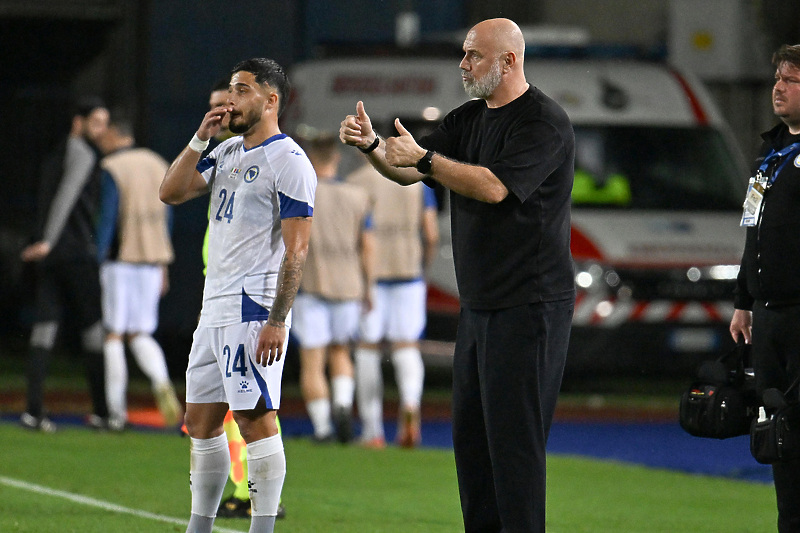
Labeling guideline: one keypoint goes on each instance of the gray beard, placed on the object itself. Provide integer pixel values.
(484, 87)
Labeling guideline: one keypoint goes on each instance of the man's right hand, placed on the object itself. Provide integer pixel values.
(742, 324)
(36, 251)
(212, 123)
(356, 130)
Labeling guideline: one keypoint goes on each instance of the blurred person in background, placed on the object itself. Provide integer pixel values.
(134, 250)
(333, 293)
(507, 157)
(767, 300)
(64, 253)
(219, 98)
(262, 200)
(406, 233)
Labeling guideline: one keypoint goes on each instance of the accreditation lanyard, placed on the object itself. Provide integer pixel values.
(758, 184)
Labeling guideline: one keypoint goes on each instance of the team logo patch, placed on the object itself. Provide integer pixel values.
(251, 174)
(797, 161)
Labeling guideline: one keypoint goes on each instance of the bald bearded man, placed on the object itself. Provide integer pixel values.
(507, 158)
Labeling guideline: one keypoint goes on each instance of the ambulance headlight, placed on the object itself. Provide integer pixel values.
(584, 279)
(723, 272)
(713, 273)
(593, 277)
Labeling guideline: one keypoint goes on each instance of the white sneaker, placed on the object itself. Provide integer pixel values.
(42, 424)
(117, 424)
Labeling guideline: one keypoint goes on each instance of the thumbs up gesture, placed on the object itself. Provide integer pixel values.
(356, 130)
(403, 150)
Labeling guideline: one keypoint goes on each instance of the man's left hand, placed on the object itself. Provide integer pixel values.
(403, 151)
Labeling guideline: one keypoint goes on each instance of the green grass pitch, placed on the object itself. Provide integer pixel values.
(77, 480)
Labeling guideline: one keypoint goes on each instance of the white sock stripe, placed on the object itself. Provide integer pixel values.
(209, 446)
(265, 447)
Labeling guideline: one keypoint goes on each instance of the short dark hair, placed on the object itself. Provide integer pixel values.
(222, 84)
(787, 53)
(270, 72)
(320, 146)
(84, 105)
(121, 120)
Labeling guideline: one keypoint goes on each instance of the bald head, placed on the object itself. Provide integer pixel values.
(499, 35)
(492, 68)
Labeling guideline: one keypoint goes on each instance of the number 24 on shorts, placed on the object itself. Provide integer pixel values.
(239, 363)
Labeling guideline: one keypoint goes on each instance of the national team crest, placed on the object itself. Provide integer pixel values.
(797, 161)
(251, 174)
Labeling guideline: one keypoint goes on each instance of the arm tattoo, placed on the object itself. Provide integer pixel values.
(289, 277)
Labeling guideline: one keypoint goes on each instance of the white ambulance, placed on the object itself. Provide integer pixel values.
(656, 204)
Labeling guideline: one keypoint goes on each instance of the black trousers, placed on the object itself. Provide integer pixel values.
(776, 361)
(507, 372)
(67, 293)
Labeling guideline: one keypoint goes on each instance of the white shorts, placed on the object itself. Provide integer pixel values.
(222, 368)
(398, 312)
(318, 322)
(130, 295)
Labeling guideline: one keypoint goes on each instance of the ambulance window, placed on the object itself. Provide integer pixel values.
(627, 167)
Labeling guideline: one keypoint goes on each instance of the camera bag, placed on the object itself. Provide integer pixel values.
(721, 402)
(775, 434)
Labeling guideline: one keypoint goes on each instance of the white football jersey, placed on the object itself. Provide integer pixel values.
(251, 191)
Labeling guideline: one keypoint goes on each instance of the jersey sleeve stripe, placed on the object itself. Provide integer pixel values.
(205, 164)
(430, 198)
(291, 208)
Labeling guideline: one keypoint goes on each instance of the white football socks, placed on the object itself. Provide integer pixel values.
(210, 463)
(342, 391)
(409, 372)
(150, 358)
(319, 411)
(116, 371)
(369, 392)
(266, 463)
(267, 470)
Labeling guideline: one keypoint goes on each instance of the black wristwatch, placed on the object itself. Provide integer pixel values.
(424, 164)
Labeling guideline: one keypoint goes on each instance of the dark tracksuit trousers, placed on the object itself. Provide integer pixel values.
(507, 371)
(776, 361)
(67, 292)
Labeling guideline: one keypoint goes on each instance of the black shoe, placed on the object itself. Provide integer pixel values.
(343, 422)
(233, 507)
(281, 511)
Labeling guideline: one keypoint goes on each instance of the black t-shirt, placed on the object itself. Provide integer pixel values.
(516, 251)
(77, 239)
